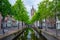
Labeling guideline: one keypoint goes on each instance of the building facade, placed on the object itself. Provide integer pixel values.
(36, 23)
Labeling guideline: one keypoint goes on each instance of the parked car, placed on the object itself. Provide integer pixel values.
(15, 24)
(9, 23)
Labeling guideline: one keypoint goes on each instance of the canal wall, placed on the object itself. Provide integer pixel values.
(49, 36)
(45, 34)
(12, 35)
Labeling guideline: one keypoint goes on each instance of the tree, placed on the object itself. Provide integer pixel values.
(45, 10)
(57, 7)
(19, 11)
(5, 7)
(35, 17)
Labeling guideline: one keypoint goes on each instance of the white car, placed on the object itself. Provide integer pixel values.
(9, 23)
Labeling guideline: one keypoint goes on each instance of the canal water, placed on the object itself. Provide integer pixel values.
(30, 34)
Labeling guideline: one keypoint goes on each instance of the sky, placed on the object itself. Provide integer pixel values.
(28, 4)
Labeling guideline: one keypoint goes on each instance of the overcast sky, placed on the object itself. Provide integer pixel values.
(28, 4)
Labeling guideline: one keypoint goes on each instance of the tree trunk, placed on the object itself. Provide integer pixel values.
(45, 25)
(40, 24)
(22, 24)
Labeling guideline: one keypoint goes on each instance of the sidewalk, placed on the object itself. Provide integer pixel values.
(52, 32)
(8, 32)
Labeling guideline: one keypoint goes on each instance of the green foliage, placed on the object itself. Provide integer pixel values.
(19, 12)
(5, 7)
(57, 9)
(35, 17)
(45, 10)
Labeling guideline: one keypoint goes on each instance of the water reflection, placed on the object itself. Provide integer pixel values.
(30, 34)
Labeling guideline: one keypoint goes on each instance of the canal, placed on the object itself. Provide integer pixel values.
(30, 34)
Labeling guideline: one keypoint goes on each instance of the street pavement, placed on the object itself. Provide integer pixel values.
(52, 32)
(49, 37)
(8, 30)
